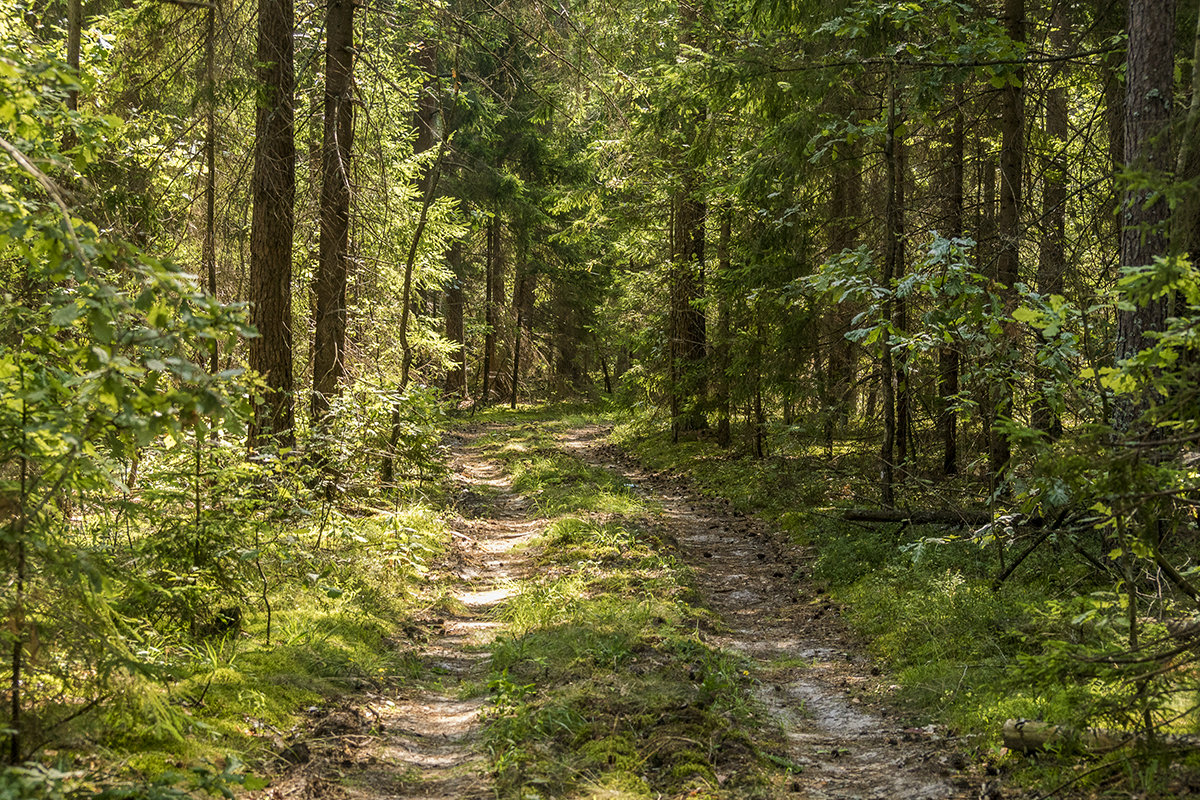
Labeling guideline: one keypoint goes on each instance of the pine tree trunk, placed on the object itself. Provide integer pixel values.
(1052, 255)
(423, 120)
(687, 289)
(948, 354)
(456, 376)
(329, 341)
(986, 254)
(894, 225)
(1185, 225)
(522, 286)
(1148, 85)
(900, 316)
(273, 187)
(723, 331)
(1012, 122)
(208, 250)
(74, 35)
(688, 343)
(489, 336)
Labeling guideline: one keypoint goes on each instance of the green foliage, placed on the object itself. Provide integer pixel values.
(368, 423)
(165, 594)
(98, 359)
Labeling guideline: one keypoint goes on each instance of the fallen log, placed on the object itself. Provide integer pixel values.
(946, 517)
(949, 516)
(1030, 735)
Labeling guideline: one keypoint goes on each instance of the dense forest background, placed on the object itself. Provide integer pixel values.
(254, 256)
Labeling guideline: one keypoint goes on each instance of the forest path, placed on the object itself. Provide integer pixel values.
(829, 699)
(421, 742)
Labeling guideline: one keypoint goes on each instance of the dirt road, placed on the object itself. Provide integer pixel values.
(423, 740)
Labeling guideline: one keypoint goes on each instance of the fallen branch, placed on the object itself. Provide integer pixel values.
(1043, 536)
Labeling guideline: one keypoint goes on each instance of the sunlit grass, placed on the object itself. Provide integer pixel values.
(555, 481)
(338, 590)
(601, 686)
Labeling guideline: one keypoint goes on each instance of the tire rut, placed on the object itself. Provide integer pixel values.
(423, 743)
(823, 693)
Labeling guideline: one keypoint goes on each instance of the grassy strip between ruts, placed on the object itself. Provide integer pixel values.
(602, 685)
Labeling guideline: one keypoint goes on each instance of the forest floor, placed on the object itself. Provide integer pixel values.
(826, 725)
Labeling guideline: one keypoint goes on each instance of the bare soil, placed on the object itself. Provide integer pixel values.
(422, 742)
(830, 702)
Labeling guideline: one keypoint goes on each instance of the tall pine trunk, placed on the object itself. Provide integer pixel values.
(689, 336)
(1148, 85)
(273, 187)
(723, 343)
(688, 333)
(208, 250)
(948, 354)
(1012, 124)
(900, 312)
(456, 375)
(489, 309)
(329, 340)
(1052, 256)
(892, 221)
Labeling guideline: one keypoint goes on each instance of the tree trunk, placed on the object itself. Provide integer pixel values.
(522, 285)
(273, 187)
(208, 251)
(491, 322)
(426, 111)
(423, 120)
(723, 330)
(900, 316)
(1052, 256)
(1148, 84)
(688, 342)
(1012, 128)
(456, 376)
(1111, 23)
(760, 417)
(516, 361)
(74, 35)
(892, 219)
(986, 254)
(329, 340)
(1185, 224)
(688, 339)
(948, 354)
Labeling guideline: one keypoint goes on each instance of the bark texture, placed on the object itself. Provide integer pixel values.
(948, 355)
(688, 327)
(273, 187)
(1148, 83)
(456, 375)
(329, 336)
(1052, 252)
(1008, 255)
